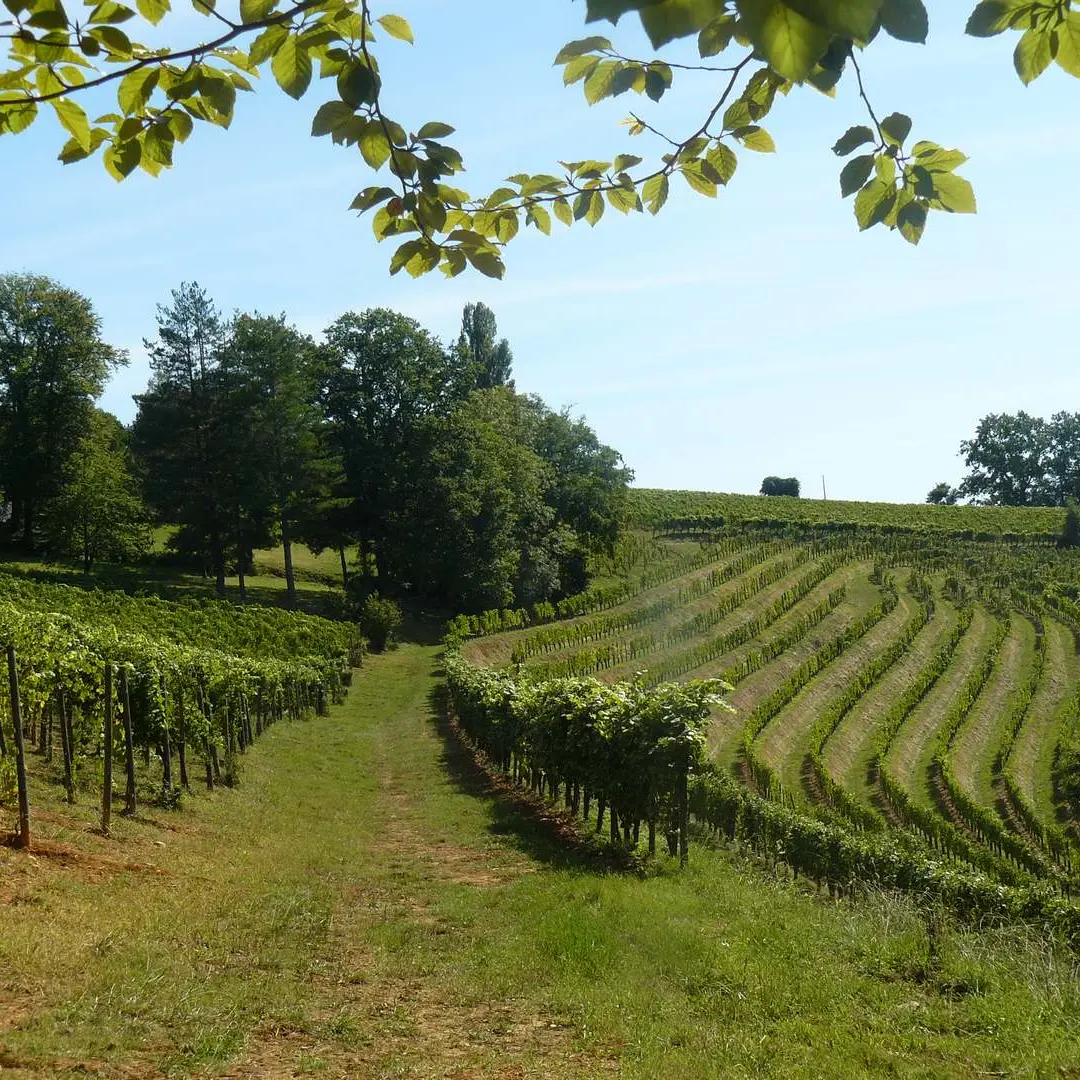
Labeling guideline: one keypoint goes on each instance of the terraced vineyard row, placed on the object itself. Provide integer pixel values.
(918, 706)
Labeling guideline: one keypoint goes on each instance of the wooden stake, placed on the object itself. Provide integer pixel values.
(106, 783)
(20, 752)
(129, 743)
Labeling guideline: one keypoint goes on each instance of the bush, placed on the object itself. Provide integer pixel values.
(379, 620)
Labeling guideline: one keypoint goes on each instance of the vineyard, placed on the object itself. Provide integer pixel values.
(97, 675)
(867, 706)
(704, 511)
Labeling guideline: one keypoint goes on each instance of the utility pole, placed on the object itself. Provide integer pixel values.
(823, 495)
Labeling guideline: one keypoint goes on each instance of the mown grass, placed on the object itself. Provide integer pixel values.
(365, 905)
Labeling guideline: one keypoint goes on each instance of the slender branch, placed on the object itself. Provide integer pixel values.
(866, 100)
(197, 51)
(376, 108)
(666, 63)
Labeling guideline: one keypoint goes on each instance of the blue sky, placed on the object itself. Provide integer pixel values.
(715, 344)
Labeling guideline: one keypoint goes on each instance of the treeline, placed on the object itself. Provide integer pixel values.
(378, 439)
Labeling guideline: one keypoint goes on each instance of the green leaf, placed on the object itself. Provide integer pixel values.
(1068, 44)
(624, 199)
(153, 11)
(114, 39)
(157, 144)
(396, 27)
(181, 125)
(953, 193)
(267, 44)
(74, 120)
(537, 215)
(122, 159)
(990, 17)
(357, 85)
(331, 117)
(434, 130)
(937, 158)
(666, 20)
(1032, 54)
(905, 20)
(579, 48)
(487, 262)
(109, 12)
(292, 68)
(716, 37)
(873, 203)
(374, 146)
(790, 42)
(851, 139)
(599, 83)
(723, 161)
(657, 81)
(755, 138)
(18, 117)
(579, 68)
(855, 173)
(696, 178)
(623, 162)
(135, 90)
(848, 18)
(655, 192)
(371, 196)
(562, 211)
(911, 220)
(255, 10)
(896, 127)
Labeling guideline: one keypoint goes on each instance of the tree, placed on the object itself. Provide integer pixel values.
(765, 48)
(382, 375)
(53, 365)
(780, 485)
(1009, 459)
(942, 494)
(98, 513)
(269, 374)
(490, 361)
(182, 429)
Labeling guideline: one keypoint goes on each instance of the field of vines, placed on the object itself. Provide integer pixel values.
(181, 688)
(867, 708)
(704, 511)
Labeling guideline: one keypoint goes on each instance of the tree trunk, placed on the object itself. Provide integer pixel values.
(286, 549)
(240, 578)
(217, 556)
(344, 569)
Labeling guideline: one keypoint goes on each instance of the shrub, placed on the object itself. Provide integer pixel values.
(379, 620)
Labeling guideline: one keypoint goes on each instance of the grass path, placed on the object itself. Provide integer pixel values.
(849, 749)
(363, 905)
(912, 748)
(1032, 753)
(784, 742)
(980, 736)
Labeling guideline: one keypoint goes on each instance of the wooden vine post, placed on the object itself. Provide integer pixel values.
(67, 745)
(20, 752)
(129, 743)
(106, 783)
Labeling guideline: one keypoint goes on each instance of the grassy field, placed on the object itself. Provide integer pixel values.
(365, 904)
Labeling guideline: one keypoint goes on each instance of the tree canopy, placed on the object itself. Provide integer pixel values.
(757, 49)
(1020, 460)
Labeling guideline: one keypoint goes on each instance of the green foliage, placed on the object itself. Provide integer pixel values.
(1070, 534)
(98, 513)
(780, 485)
(379, 620)
(943, 494)
(770, 47)
(53, 364)
(1022, 460)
